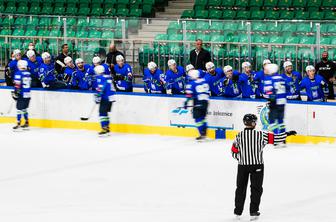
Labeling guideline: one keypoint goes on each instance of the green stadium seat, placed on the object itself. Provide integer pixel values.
(32, 22)
(188, 14)
(82, 23)
(47, 9)
(82, 34)
(307, 40)
(42, 32)
(260, 39)
(217, 26)
(71, 34)
(83, 9)
(228, 4)
(96, 10)
(35, 9)
(301, 15)
(20, 21)
(229, 14)
(270, 4)
(55, 33)
(95, 23)
(174, 27)
(313, 4)
(44, 22)
(23, 8)
(331, 15)
(110, 11)
(333, 41)
(202, 14)
(272, 28)
(257, 15)
(122, 12)
(215, 4)
(11, 8)
(215, 14)
(202, 26)
(332, 29)
(230, 26)
(292, 40)
(57, 22)
(203, 37)
(217, 40)
(200, 4)
(71, 22)
(286, 15)
(299, 4)
(323, 28)
(316, 15)
(256, 3)
(191, 37)
(259, 27)
(7, 21)
(241, 4)
(191, 25)
(325, 41)
(109, 24)
(147, 10)
(71, 9)
(243, 15)
(288, 27)
(303, 28)
(59, 9)
(328, 4)
(95, 34)
(284, 4)
(135, 12)
(108, 35)
(31, 32)
(18, 32)
(16, 44)
(272, 15)
(276, 40)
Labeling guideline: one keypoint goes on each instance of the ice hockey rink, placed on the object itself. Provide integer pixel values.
(54, 175)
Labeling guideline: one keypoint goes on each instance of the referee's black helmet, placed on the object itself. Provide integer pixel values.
(249, 119)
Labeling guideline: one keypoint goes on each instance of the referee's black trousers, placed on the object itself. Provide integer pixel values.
(256, 173)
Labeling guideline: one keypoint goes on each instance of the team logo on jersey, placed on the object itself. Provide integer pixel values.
(263, 111)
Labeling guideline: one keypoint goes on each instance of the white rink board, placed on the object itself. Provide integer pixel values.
(154, 110)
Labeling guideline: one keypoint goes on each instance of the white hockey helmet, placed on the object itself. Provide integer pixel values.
(271, 68)
(209, 66)
(152, 65)
(30, 53)
(99, 69)
(189, 67)
(171, 62)
(246, 64)
(16, 52)
(227, 68)
(45, 55)
(266, 61)
(287, 63)
(309, 68)
(119, 58)
(193, 74)
(79, 60)
(22, 64)
(67, 60)
(96, 60)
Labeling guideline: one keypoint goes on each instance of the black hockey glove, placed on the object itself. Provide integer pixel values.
(15, 95)
(291, 133)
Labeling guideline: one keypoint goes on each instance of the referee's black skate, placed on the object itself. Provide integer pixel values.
(254, 216)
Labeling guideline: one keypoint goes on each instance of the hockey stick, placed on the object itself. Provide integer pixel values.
(182, 107)
(9, 108)
(90, 114)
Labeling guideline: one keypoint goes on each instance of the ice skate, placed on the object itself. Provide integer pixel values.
(104, 132)
(17, 128)
(25, 126)
(254, 216)
(201, 139)
(237, 217)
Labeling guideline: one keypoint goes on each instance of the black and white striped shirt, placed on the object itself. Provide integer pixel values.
(249, 144)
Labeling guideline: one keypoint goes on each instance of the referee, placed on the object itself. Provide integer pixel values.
(247, 148)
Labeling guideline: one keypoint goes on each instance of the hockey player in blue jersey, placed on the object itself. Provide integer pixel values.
(80, 78)
(275, 93)
(91, 76)
(47, 74)
(246, 81)
(70, 73)
(259, 80)
(213, 77)
(104, 97)
(175, 78)
(292, 80)
(21, 93)
(13, 64)
(153, 79)
(191, 67)
(198, 91)
(231, 86)
(315, 85)
(123, 75)
(34, 63)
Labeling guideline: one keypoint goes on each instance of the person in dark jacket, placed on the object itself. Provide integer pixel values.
(326, 68)
(199, 56)
(59, 63)
(111, 57)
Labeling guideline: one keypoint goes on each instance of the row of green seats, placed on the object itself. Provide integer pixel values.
(258, 15)
(266, 4)
(72, 9)
(111, 2)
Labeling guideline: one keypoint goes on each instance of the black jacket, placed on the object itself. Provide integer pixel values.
(111, 57)
(326, 69)
(199, 61)
(58, 67)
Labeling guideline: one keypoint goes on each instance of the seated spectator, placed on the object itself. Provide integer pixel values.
(213, 77)
(315, 85)
(231, 87)
(123, 75)
(34, 63)
(81, 79)
(175, 78)
(246, 81)
(47, 74)
(292, 81)
(153, 79)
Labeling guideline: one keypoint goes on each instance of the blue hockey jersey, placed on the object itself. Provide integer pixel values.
(105, 88)
(292, 84)
(33, 67)
(247, 85)
(22, 83)
(198, 90)
(175, 81)
(81, 79)
(315, 88)
(124, 82)
(259, 81)
(275, 89)
(13, 67)
(214, 82)
(69, 76)
(154, 82)
(47, 73)
(231, 88)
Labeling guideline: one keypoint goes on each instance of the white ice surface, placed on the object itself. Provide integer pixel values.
(52, 175)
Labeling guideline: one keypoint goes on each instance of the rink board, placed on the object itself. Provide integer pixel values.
(159, 114)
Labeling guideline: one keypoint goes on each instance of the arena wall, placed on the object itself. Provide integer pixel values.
(159, 114)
